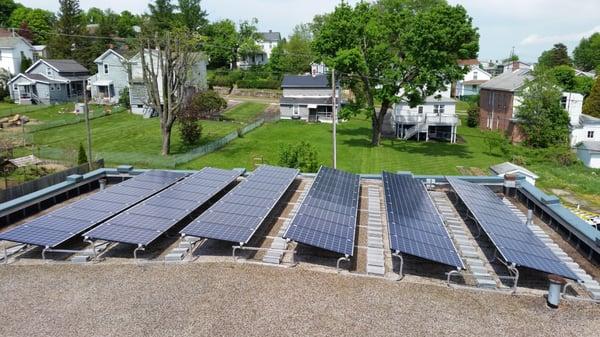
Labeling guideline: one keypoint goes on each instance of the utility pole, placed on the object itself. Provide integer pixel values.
(334, 116)
(87, 126)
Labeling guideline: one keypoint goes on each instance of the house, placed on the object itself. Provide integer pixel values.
(509, 168)
(499, 102)
(13, 49)
(492, 67)
(40, 52)
(511, 66)
(112, 77)
(587, 129)
(435, 118)
(589, 153)
(267, 41)
(307, 98)
(473, 79)
(49, 82)
(138, 93)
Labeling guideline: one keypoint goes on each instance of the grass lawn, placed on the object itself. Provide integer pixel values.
(246, 112)
(9, 109)
(354, 151)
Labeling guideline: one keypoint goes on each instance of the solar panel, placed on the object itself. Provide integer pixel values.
(56, 227)
(513, 239)
(415, 226)
(145, 222)
(328, 216)
(223, 220)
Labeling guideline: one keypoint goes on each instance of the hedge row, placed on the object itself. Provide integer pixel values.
(259, 84)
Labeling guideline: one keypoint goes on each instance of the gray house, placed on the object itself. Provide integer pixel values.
(48, 82)
(112, 77)
(307, 98)
(138, 93)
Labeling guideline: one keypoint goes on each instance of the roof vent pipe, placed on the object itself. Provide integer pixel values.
(554, 290)
(529, 217)
(510, 183)
(102, 184)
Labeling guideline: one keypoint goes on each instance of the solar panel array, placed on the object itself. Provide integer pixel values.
(415, 225)
(238, 215)
(56, 227)
(514, 240)
(145, 222)
(328, 216)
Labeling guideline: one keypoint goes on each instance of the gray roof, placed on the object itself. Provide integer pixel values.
(41, 78)
(510, 81)
(591, 146)
(508, 167)
(11, 42)
(588, 120)
(68, 66)
(305, 81)
(270, 36)
(305, 100)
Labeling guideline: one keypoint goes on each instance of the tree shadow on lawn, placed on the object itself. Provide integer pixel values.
(432, 149)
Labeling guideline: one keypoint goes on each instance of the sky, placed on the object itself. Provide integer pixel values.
(530, 26)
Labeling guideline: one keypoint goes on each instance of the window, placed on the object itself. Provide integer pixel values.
(420, 110)
(49, 71)
(475, 75)
(51, 87)
(140, 106)
(439, 109)
(590, 134)
(563, 102)
(15, 87)
(296, 110)
(58, 87)
(106, 68)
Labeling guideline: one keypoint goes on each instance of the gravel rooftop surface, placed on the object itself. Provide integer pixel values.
(205, 299)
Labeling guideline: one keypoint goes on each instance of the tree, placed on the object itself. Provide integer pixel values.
(203, 105)
(557, 56)
(69, 27)
(6, 9)
(168, 59)
(591, 106)
(124, 99)
(587, 54)
(94, 15)
(568, 80)
(81, 155)
(125, 23)
(192, 16)
(162, 13)
(542, 119)
(396, 50)
(222, 37)
(40, 22)
(294, 56)
(246, 38)
(302, 156)
(26, 62)
(473, 115)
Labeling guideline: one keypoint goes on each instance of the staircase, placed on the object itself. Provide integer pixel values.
(149, 112)
(35, 99)
(414, 130)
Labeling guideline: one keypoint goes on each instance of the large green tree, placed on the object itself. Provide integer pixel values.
(294, 56)
(125, 23)
(192, 16)
(542, 119)
(69, 27)
(6, 9)
(222, 37)
(396, 50)
(162, 15)
(592, 103)
(557, 56)
(587, 54)
(246, 41)
(40, 22)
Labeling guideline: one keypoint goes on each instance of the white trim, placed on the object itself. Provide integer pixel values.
(41, 61)
(108, 51)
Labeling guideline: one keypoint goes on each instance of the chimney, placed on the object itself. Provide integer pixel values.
(270, 31)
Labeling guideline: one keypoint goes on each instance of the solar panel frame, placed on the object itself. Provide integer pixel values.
(223, 219)
(530, 252)
(60, 226)
(159, 213)
(414, 223)
(328, 216)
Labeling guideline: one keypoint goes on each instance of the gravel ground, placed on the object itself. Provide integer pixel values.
(231, 299)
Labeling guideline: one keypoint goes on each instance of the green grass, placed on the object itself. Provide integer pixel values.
(9, 109)
(245, 113)
(462, 106)
(354, 151)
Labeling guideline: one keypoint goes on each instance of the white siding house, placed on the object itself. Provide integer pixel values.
(307, 98)
(12, 51)
(470, 84)
(589, 153)
(267, 41)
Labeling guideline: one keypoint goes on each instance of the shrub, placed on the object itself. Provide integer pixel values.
(302, 156)
(81, 155)
(124, 98)
(473, 115)
(190, 131)
(221, 81)
(259, 84)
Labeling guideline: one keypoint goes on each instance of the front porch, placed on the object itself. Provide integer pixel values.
(103, 92)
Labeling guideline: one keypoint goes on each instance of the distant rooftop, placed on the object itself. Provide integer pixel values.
(591, 146)
(305, 81)
(508, 167)
(509, 81)
(70, 66)
(270, 36)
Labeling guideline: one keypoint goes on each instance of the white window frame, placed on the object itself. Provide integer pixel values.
(420, 109)
(475, 74)
(296, 110)
(590, 134)
(106, 68)
(439, 109)
(563, 102)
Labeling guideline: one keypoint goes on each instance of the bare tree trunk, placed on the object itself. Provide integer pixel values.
(377, 123)
(166, 141)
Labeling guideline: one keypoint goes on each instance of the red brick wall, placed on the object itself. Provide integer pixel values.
(496, 112)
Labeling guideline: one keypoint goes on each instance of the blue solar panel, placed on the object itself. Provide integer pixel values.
(58, 226)
(327, 218)
(415, 226)
(223, 220)
(144, 223)
(514, 240)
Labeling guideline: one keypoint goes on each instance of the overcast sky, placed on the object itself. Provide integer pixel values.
(530, 26)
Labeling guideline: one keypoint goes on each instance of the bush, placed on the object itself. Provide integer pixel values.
(473, 115)
(302, 156)
(124, 98)
(190, 132)
(81, 155)
(259, 84)
(221, 81)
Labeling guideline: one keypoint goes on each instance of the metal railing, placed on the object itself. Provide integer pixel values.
(426, 119)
